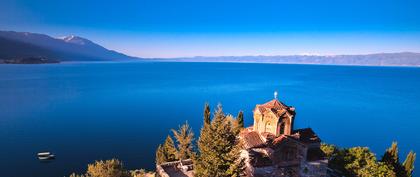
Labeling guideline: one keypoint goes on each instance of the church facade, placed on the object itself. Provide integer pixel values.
(272, 147)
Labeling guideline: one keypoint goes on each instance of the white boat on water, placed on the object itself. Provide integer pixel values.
(45, 156)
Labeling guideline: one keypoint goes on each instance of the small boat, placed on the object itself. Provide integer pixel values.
(46, 156)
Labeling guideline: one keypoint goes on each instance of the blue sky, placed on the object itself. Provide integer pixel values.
(176, 28)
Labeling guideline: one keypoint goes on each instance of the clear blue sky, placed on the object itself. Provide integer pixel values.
(175, 28)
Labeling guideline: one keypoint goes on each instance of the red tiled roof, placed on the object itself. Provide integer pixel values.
(259, 159)
(283, 137)
(276, 104)
(251, 140)
(306, 135)
(276, 107)
(279, 139)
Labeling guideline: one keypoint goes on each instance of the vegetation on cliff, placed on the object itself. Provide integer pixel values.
(168, 152)
(218, 147)
(218, 153)
(111, 168)
(360, 161)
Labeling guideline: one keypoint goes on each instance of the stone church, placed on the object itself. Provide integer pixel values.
(273, 148)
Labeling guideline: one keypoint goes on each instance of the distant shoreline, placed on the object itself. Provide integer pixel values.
(29, 60)
(404, 59)
(232, 62)
(256, 62)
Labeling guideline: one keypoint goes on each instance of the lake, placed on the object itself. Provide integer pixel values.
(89, 111)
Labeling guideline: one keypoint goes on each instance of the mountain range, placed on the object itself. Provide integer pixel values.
(379, 59)
(16, 45)
(19, 47)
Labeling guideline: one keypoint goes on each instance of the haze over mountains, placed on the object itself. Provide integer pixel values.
(15, 45)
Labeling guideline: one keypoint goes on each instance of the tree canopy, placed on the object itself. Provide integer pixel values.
(184, 137)
(111, 168)
(107, 168)
(207, 113)
(166, 152)
(360, 161)
(218, 149)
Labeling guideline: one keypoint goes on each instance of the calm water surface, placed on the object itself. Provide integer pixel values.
(88, 111)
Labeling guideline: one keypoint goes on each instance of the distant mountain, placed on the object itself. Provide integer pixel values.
(380, 59)
(15, 45)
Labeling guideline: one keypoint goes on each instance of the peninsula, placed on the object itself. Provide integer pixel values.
(271, 147)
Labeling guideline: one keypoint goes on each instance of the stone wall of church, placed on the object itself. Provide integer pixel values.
(266, 123)
(314, 169)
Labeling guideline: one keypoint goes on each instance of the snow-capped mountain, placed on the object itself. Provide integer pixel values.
(68, 48)
(75, 40)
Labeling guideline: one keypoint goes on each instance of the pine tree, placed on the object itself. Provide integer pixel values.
(207, 113)
(169, 150)
(391, 154)
(234, 123)
(160, 155)
(184, 137)
(391, 159)
(218, 149)
(409, 163)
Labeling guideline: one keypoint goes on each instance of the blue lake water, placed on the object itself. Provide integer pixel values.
(88, 111)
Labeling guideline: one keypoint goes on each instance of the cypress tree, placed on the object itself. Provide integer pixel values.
(240, 119)
(409, 163)
(184, 137)
(207, 113)
(391, 154)
(391, 159)
(218, 149)
(169, 150)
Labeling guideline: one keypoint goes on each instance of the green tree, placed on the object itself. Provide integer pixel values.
(218, 149)
(160, 155)
(169, 150)
(240, 119)
(379, 169)
(184, 137)
(356, 161)
(391, 154)
(391, 159)
(111, 168)
(166, 152)
(108, 168)
(207, 113)
(329, 150)
(357, 158)
(409, 163)
(234, 123)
